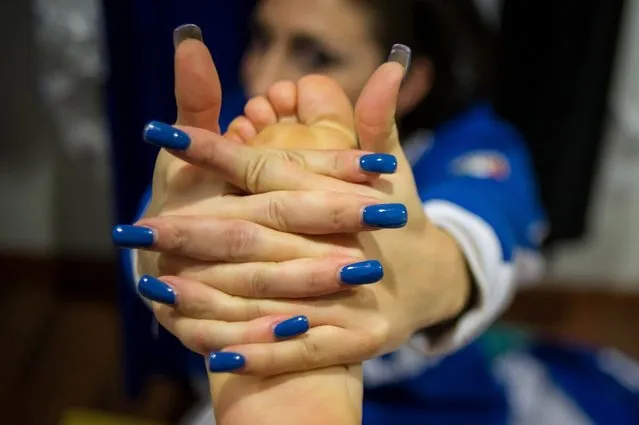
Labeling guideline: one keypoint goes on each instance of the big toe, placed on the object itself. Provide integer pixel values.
(321, 102)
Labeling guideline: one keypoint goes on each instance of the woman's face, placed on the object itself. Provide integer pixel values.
(294, 38)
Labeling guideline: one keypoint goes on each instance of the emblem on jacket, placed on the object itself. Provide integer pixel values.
(482, 165)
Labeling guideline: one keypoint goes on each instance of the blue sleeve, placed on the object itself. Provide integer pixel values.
(484, 167)
(487, 200)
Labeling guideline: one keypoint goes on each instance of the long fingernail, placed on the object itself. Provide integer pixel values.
(362, 273)
(166, 136)
(127, 236)
(186, 32)
(155, 290)
(387, 216)
(381, 163)
(225, 362)
(401, 54)
(291, 327)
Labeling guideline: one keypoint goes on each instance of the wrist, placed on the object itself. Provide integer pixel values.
(331, 395)
(444, 278)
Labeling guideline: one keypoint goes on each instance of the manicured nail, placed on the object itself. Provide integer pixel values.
(401, 54)
(166, 136)
(362, 273)
(381, 163)
(127, 236)
(225, 362)
(291, 327)
(387, 216)
(186, 32)
(155, 290)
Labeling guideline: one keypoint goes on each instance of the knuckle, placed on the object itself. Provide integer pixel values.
(310, 352)
(296, 158)
(316, 283)
(336, 166)
(255, 169)
(374, 336)
(198, 340)
(239, 238)
(175, 237)
(258, 287)
(338, 214)
(247, 309)
(276, 213)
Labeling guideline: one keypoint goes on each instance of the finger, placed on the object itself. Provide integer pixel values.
(316, 212)
(260, 112)
(258, 171)
(204, 336)
(228, 240)
(191, 288)
(198, 92)
(352, 166)
(376, 106)
(196, 300)
(321, 346)
(241, 130)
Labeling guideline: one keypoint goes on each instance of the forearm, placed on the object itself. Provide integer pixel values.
(450, 268)
(325, 396)
(437, 270)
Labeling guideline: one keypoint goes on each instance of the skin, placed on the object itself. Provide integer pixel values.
(287, 57)
(292, 39)
(297, 38)
(330, 395)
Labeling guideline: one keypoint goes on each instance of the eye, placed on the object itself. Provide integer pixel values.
(260, 37)
(312, 56)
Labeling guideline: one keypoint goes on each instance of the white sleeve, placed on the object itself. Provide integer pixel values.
(495, 279)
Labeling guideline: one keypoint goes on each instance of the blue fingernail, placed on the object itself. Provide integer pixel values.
(382, 163)
(292, 327)
(166, 136)
(127, 236)
(225, 362)
(362, 273)
(155, 290)
(387, 216)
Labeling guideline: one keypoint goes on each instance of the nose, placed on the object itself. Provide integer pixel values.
(266, 71)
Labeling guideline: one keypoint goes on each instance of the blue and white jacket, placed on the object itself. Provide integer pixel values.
(475, 178)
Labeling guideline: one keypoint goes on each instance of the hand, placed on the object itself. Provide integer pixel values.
(348, 326)
(234, 162)
(340, 400)
(242, 230)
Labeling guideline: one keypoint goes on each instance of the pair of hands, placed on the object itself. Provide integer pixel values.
(245, 273)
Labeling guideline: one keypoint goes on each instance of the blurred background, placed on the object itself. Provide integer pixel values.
(79, 79)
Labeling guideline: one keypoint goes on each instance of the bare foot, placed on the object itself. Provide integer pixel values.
(311, 114)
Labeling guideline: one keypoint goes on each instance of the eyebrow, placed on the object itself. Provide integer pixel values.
(301, 37)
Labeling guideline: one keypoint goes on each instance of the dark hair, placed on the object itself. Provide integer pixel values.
(452, 35)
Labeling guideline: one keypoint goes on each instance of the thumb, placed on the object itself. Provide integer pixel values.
(375, 109)
(198, 92)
